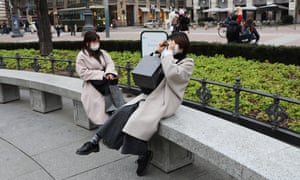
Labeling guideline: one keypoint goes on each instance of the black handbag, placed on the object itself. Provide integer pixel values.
(148, 73)
(102, 85)
(113, 96)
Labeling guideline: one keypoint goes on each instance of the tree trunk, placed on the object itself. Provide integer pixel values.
(44, 29)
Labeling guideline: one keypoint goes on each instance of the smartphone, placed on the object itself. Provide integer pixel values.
(166, 43)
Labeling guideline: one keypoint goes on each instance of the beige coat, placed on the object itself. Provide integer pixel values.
(163, 101)
(88, 68)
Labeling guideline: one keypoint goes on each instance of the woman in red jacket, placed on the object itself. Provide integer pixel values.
(239, 13)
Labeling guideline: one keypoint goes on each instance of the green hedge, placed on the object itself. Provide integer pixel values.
(76, 45)
(263, 53)
(264, 77)
(273, 54)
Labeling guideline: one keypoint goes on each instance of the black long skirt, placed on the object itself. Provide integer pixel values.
(113, 137)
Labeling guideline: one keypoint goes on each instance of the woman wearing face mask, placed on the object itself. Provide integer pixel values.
(93, 63)
(152, 107)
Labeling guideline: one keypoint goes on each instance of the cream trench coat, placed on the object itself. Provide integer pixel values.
(88, 68)
(163, 101)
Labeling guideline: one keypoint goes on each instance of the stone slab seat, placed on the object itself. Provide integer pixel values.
(240, 152)
(45, 92)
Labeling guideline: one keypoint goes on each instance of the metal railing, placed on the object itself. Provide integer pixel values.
(275, 111)
(36, 66)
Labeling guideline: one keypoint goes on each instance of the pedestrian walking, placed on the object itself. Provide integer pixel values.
(184, 21)
(72, 29)
(233, 30)
(58, 29)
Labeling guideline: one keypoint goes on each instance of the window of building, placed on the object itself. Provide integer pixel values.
(142, 2)
(181, 3)
(59, 3)
(163, 3)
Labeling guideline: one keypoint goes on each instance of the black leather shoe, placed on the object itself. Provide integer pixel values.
(143, 163)
(88, 148)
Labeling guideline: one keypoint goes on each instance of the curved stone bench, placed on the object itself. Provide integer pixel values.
(240, 152)
(45, 90)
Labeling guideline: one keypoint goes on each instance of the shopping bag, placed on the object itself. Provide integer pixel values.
(148, 73)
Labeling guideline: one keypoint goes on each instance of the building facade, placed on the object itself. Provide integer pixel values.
(136, 12)
(125, 12)
(262, 10)
(3, 13)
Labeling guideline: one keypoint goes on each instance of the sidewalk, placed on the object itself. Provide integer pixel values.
(35, 146)
(270, 35)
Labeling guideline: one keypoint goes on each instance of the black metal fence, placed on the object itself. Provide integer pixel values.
(36, 66)
(275, 111)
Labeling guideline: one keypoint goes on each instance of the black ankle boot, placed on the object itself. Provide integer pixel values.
(88, 148)
(143, 163)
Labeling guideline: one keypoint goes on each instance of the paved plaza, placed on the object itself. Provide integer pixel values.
(35, 146)
(270, 35)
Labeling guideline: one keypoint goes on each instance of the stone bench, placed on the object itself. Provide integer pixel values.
(45, 90)
(240, 152)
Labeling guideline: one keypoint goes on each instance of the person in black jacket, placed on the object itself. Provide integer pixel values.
(233, 30)
(251, 33)
(184, 22)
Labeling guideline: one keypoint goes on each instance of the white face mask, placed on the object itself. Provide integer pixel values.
(95, 47)
(176, 49)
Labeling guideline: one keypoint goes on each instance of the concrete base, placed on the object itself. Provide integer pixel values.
(44, 102)
(169, 156)
(9, 93)
(80, 116)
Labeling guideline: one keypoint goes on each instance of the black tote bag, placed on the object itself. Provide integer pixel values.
(148, 73)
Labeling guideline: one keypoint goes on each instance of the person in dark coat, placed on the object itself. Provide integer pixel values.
(133, 125)
(233, 30)
(184, 22)
(58, 29)
(72, 29)
(253, 35)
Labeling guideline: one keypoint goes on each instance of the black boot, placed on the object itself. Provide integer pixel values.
(88, 148)
(143, 163)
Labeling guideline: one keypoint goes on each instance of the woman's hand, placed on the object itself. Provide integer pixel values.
(161, 46)
(171, 45)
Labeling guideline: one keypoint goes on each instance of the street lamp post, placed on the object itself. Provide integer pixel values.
(172, 4)
(15, 22)
(88, 15)
(15, 26)
(106, 18)
(296, 13)
(153, 10)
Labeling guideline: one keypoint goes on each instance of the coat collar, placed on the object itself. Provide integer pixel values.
(179, 57)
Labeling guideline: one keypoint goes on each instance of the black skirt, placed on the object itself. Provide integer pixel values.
(113, 137)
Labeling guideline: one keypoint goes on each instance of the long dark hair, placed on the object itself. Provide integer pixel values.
(250, 24)
(89, 37)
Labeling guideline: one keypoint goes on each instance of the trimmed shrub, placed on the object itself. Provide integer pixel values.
(287, 19)
(263, 53)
